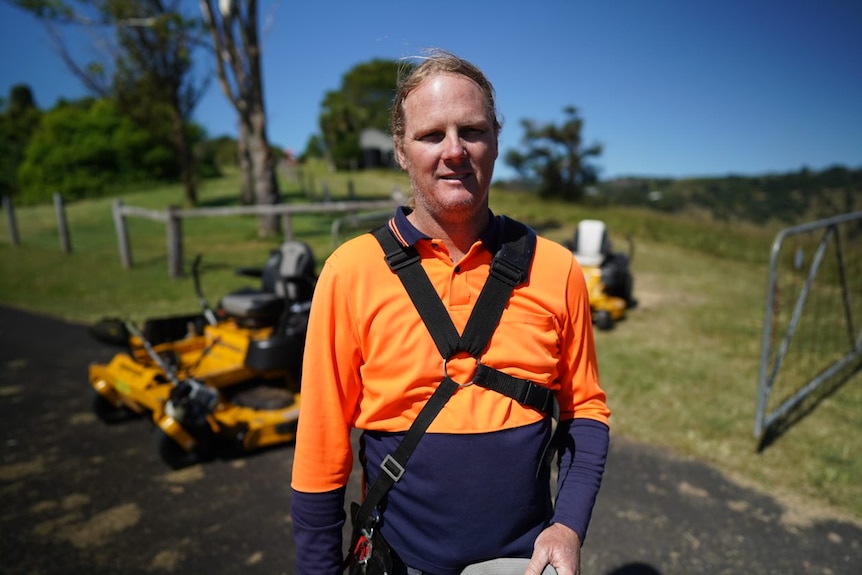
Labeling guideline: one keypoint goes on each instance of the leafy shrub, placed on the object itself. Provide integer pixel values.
(86, 149)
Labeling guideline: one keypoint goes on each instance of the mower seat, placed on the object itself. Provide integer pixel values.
(287, 279)
(252, 306)
(591, 245)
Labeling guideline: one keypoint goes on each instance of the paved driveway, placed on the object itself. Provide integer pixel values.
(81, 497)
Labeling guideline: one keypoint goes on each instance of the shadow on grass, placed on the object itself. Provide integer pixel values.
(219, 202)
(782, 425)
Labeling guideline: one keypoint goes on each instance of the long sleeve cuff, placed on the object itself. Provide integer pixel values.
(583, 455)
(318, 519)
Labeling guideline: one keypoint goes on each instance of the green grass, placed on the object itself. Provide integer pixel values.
(681, 371)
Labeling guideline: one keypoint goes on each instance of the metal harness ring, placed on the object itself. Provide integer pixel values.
(446, 374)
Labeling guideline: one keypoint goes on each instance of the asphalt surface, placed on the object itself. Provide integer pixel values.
(78, 496)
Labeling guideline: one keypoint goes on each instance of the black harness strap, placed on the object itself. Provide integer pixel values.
(523, 391)
(404, 261)
(509, 269)
(393, 465)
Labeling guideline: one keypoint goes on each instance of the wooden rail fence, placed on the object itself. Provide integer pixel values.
(62, 225)
(174, 216)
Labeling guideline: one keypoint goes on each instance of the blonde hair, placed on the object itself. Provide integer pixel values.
(438, 61)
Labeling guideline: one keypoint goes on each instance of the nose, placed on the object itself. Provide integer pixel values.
(453, 147)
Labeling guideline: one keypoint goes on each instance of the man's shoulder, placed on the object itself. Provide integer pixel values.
(548, 253)
(556, 252)
(357, 252)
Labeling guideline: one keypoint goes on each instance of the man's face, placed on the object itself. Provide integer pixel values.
(449, 147)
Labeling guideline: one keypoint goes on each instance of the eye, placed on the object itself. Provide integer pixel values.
(472, 133)
(432, 137)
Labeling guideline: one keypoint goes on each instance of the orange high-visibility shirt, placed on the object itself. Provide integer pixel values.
(370, 362)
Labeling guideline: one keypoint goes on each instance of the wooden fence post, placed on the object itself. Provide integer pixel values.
(10, 220)
(122, 234)
(62, 225)
(311, 192)
(174, 225)
(300, 174)
(287, 226)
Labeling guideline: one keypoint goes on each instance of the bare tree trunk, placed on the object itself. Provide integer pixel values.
(233, 28)
(188, 167)
(263, 169)
(246, 190)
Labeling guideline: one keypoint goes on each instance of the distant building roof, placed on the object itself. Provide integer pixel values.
(376, 139)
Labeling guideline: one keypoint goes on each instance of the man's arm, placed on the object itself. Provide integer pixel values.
(582, 463)
(323, 454)
(317, 522)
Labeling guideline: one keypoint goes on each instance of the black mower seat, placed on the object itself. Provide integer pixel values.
(287, 278)
(253, 305)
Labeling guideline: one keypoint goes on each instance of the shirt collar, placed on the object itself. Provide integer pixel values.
(411, 235)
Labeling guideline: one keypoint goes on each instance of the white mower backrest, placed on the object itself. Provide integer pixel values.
(591, 245)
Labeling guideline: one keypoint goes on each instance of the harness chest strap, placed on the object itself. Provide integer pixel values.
(509, 269)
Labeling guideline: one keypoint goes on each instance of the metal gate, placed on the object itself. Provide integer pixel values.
(812, 330)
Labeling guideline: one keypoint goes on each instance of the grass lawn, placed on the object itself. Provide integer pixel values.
(681, 371)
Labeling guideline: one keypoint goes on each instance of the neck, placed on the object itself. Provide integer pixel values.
(458, 236)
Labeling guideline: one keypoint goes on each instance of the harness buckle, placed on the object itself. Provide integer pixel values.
(401, 258)
(538, 397)
(506, 272)
(392, 468)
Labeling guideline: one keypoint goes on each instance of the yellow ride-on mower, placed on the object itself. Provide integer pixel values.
(223, 380)
(609, 279)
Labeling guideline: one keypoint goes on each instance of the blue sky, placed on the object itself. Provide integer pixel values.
(669, 87)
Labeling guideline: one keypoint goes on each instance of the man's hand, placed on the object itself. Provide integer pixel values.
(558, 546)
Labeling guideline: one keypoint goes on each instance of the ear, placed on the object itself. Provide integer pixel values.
(400, 157)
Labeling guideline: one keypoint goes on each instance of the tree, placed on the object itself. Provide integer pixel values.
(314, 148)
(363, 101)
(87, 148)
(233, 28)
(554, 157)
(19, 119)
(152, 78)
(153, 81)
(223, 150)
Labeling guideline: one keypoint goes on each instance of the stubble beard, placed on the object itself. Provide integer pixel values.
(466, 206)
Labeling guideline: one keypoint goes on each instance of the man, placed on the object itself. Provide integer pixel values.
(477, 486)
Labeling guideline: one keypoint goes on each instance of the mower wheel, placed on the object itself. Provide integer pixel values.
(178, 458)
(603, 320)
(108, 412)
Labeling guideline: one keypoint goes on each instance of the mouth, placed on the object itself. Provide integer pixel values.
(460, 177)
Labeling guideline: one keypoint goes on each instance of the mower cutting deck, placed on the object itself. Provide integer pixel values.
(225, 378)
